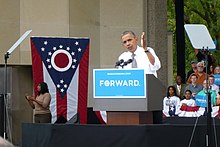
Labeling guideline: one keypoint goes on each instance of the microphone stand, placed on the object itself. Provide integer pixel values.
(5, 97)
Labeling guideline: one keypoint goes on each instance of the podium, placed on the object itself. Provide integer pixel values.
(127, 104)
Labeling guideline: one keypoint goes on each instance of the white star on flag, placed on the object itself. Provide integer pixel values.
(62, 81)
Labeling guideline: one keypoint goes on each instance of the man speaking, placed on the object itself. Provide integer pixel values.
(138, 57)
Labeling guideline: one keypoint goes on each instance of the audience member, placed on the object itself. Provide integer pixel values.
(193, 87)
(180, 87)
(187, 101)
(212, 69)
(206, 89)
(217, 70)
(218, 99)
(213, 86)
(188, 107)
(193, 68)
(171, 103)
(201, 56)
(201, 75)
(217, 75)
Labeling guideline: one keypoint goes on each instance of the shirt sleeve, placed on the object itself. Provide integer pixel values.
(165, 110)
(157, 64)
(178, 106)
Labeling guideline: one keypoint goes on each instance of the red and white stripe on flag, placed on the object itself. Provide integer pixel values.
(63, 64)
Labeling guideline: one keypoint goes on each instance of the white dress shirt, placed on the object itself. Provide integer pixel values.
(142, 60)
(215, 88)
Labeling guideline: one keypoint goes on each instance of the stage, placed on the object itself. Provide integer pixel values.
(169, 134)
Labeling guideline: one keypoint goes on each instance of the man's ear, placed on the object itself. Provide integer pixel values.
(136, 39)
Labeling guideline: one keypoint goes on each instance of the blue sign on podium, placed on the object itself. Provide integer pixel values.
(119, 83)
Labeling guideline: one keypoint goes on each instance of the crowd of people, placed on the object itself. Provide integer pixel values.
(190, 98)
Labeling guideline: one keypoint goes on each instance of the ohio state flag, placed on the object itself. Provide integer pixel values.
(63, 64)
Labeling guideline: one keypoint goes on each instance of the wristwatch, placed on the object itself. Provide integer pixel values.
(146, 51)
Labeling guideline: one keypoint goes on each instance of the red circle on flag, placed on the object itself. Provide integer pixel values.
(61, 60)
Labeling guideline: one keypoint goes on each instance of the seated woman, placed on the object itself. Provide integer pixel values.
(171, 103)
(188, 106)
(187, 101)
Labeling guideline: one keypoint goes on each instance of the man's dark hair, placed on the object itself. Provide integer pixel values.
(189, 91)
(193, 74)
(128, 32)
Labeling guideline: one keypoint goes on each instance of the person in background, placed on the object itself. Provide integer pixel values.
(217, 75)
(193, 68)
(188, 106)
(171, 103)
(41, 104)
(217, 70)
(212, 69)
(142, 57)
(187, 101)
(201, 56)
(193, 87)
(201, 75)
(203, 92)
(218, 99)
(179, 86)
(213, 86)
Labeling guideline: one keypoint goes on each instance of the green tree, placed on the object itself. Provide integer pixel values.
(205, 12)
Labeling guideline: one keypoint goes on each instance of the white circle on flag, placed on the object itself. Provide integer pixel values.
(54, 64)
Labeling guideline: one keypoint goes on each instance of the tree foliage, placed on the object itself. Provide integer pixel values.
(205, 12)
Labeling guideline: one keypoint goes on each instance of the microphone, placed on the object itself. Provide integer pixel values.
(118, 63)
(127, 62)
